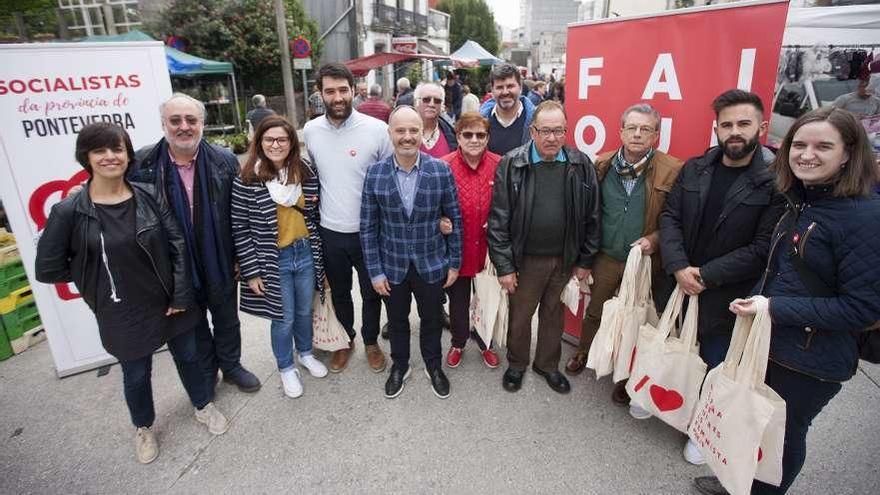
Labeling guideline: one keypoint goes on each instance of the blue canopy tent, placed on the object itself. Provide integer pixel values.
(185, 65)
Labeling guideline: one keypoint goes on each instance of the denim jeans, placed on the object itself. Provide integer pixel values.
(713, 348)
(138, 387)
(296, 270)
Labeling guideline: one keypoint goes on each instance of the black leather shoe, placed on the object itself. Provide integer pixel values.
(439, 382)
(512, 380)
(709, 485)
(243, 379)
(385, 331)
(557, 381)
(396, 379)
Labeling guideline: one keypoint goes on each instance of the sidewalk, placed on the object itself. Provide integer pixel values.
(342, 436)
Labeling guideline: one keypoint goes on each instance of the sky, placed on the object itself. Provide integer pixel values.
(506, 12)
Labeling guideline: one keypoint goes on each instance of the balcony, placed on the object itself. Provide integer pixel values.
(384, 17)
(421, 25)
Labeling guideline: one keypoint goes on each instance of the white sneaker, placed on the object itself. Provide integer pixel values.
(692, 454)
(293, 387)
(215, 420)
(638, 413)
(316, 368)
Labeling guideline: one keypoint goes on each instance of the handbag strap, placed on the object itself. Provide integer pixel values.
(671, 312)
(691, 322)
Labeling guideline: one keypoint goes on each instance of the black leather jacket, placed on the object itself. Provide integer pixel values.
(69, 248)
(511, 212)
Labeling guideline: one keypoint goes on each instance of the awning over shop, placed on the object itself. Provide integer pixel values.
(361, 66)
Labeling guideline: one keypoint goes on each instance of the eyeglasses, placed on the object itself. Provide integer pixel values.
(470, 135)
(270, 141)
(631, 129)
(547, 132)
(428, 99)
(176, 120)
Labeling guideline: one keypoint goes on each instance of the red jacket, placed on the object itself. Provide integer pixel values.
(474, 197)
(376, 108)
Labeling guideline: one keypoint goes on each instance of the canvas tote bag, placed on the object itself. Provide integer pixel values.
(327, 333)
(737, 410)
(667, 370)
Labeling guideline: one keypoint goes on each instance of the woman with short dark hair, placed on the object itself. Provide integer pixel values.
(821, 278)
(274, 225)
(126, 255)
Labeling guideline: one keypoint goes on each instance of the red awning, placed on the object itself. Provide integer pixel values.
(360, 66)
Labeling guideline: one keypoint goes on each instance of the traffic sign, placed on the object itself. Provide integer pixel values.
(300, 47)
(302, 64)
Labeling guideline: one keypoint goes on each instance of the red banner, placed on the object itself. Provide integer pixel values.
(677, 61)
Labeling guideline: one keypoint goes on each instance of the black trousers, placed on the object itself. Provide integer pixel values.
(342, 252)
(429, 301)
(460, 313)
(219, 344)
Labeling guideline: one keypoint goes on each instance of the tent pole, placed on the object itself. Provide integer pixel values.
(235, 102)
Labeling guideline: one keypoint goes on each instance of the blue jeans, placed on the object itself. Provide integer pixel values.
(713, 348)
(297, 272)
(138, 387)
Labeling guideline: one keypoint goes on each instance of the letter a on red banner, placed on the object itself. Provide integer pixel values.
(678, 61)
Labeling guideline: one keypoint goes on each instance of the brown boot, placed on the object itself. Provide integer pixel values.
(339, 359)
(375, 358)
(620, 396)
(577, 363)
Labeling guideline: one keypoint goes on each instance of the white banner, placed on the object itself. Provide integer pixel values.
(48, 93)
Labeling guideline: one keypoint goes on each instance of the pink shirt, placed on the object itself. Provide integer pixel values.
(441, 147)
(187, 175)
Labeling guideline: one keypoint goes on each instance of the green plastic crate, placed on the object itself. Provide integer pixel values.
(5, 347)
(20, 320)
(11, 269)
(7, 285)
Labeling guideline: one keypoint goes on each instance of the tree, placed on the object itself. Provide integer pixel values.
(38, 15)
(470, 20)
(241, 31)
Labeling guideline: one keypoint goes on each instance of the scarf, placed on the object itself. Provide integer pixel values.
(209, 265)
(281, 192)
(630, 172)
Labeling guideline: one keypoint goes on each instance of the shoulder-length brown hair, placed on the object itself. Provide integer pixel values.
(860, 173)
(296, 169)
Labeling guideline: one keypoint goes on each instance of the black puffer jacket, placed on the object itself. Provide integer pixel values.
(511, 212)
(738, 252)
(838, 240)
(69, 247)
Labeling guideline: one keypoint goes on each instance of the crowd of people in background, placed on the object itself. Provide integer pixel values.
(417, 200)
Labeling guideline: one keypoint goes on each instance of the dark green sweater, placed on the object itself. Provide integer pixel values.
(547, 230)
(623, 216)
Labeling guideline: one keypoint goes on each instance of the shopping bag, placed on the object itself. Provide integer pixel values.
(499, 332)
(622, 315)
(737, 411)
(485, 302)
(573, 316)
(667, 369)
(327, 333)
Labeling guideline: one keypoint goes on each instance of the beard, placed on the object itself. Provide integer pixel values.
(739, 153)
(338, 114)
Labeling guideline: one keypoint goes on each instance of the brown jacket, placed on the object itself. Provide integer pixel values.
(658, 182)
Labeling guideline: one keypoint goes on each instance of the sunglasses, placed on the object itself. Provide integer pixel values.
(429, 99)
(470, 135)
(176, 120)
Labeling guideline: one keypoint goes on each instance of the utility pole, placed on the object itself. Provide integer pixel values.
(286, 69)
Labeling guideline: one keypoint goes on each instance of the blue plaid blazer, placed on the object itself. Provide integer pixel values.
(391, 240)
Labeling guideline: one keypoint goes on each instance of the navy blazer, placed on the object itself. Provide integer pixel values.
(392, 240)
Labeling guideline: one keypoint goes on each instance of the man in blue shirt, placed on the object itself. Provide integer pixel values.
(404, 197)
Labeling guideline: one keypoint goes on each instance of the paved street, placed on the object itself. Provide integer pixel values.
(74, 436)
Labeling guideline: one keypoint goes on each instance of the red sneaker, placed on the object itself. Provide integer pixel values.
(453, 358)
(490, 358)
